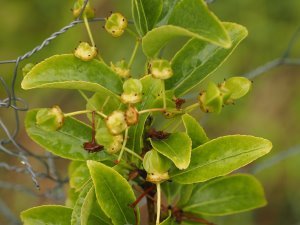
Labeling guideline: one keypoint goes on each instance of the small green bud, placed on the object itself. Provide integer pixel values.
(116, 122)
(132, 91)
(121, 68)
(89, 12)
(85, 52)
(161, 69)
(131, 116)
(27, 68)
(115, 24)
(211, 100)
(112, 143)
(50, 119)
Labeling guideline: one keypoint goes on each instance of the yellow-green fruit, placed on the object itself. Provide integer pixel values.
(211, 100)
(131, 116)
(132, 91)
(115, 24)
(50, 119)
(116, 122)
(112, 143)
(161, 69)
(85, 52)
(89, 12)
(121, 68)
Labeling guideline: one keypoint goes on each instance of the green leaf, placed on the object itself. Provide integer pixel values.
(185, 194)
(47, 214)
(113, 192)
(171, 191)
(79, 176)
(189, 18)
(194, 130)
(198, 59)
(146, 14)
(67, 142)
(221, 156)
(103, 102)
(82, 212)
(195, 16)
(151, 89)
(168, 221)
(177, 147)
(168, 6)
(72, 196)
(227, 195)
(68, 72)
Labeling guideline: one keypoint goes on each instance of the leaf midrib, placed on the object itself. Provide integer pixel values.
(214, 161)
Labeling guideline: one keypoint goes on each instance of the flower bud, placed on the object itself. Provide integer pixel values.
(116, 122)
(131, 116)
(211, 100)
(161, 69)
(89, 12)
(85, 52)
(132, 91)
(50, 119)
(115, 24)
(112, 143)
(121, 68)
(156, 166)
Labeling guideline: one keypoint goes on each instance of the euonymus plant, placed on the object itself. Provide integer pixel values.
(142, 141)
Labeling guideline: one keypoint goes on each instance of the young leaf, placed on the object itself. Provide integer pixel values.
(221, 156)
(68, 72)
(177, 147)
(72, 196)
(67, 142)
(194, 130)
(227, 195)
(82, 212)
(113, 192)
(145, 14)
(189, 18)
(47, 214)
(79, 176)
(198, 59)
(151, 90)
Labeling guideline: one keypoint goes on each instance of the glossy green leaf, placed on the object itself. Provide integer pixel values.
(227, 195)
(113, 192)
(168, 6)
(198, 59)
(47, 214)
(151, 89)
(145, 14)
(189, 18)
(221, 156)
(177, 147)
(79, 176)
(195, 16)
(103, 102)
(194, 130)
(68, 72)
(66, 142)
(171, 191)
(82, 212)
(72, 196)
(185, 194)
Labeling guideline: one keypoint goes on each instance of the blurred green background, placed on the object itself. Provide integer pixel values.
(271, 110)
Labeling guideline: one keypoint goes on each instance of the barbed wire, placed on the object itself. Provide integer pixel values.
(11, 147)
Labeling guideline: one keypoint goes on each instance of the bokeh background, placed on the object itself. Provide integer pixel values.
(271, 110)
